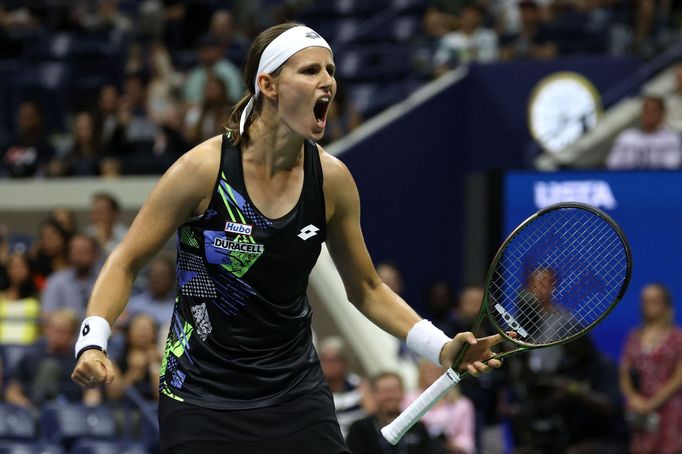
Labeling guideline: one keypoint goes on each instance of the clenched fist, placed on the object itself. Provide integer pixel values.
(92, 369)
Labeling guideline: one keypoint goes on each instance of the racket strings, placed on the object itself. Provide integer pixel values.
(557, 276)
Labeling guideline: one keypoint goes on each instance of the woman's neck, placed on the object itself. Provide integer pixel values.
(11, 293)
(658, 324)
(272, 145)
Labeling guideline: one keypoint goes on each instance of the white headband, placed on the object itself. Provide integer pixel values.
(279, 51)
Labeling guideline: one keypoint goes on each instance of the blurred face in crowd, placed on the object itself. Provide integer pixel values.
(161, 278)
(83, 129)
(469, 19)
(530, 14)
(388, 396)
(678, 78)
(222, 25)
(102, 212)
(391, 277)
(652, 114)
(82, 254)
(653, 304)
(541, 283)
(439, 298)
(214, 93)
(134, 92)
(29, 118)
(108, 99)
(210, 54)
(60, 332)
(142, 332)
(52, 241)
(470, 302)
(66, 218)
(18, 270)
(333, 364)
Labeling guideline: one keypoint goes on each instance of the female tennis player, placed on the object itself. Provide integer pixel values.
(252, 208)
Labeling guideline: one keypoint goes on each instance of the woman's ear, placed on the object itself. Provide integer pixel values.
(267, 86)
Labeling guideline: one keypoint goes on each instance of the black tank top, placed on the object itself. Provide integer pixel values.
(240, 335)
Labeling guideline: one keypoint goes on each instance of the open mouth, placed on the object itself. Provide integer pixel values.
(320, 110)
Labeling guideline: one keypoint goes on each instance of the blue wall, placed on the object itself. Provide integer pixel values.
(410, 174)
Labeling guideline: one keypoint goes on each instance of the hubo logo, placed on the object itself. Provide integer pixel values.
(593, 192)
(241, 229)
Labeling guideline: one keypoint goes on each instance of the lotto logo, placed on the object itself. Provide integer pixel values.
(308, 231)
(240, 229)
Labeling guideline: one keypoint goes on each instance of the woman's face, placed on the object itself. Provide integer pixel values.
(51, 241)
(305, 88)
(142, 332)
(17, 269)
(653, 304)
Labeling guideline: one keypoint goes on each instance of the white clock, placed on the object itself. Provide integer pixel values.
(563, 106)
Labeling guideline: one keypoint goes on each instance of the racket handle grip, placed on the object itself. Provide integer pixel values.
(395, 431)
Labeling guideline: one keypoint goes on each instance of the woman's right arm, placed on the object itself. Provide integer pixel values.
(183, 191)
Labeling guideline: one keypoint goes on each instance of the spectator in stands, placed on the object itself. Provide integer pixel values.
(674, 103)
(106, 19)
(104, 225)
(533, 40)
(28, 153)
(364, 436)
(651, 146)
(574, 409)
(70, 288)
(351, 394)
(212, 61)
(135, 132)
(85, 153)
(66, 218)
(158, 298)
(581, 26)
(50, 253)
(44, 374)
(451, 422)
(19, 305)
(105, 117)
(223, 29)
(441, 17)
(140, 362)
(163, 92)
(651, 376)
(439, 302)
(470, 42)
(205, 120)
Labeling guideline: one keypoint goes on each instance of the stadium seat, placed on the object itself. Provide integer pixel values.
(16, 423)
(8, 447)
(87, 446)
(64, 423)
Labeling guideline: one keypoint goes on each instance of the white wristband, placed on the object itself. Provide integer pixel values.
(427, 340)
(94, 331)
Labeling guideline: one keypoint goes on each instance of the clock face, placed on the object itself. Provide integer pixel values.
(563, 107)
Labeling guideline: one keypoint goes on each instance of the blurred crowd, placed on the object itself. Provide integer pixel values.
(126, 87)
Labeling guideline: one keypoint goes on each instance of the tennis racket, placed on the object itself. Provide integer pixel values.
(553, 279)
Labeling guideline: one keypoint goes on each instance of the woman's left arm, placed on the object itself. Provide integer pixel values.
(363, 286)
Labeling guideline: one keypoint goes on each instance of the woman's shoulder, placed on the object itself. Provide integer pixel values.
(201, 160)
(333, 169)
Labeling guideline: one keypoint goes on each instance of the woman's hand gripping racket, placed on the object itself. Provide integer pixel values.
(553, 279)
